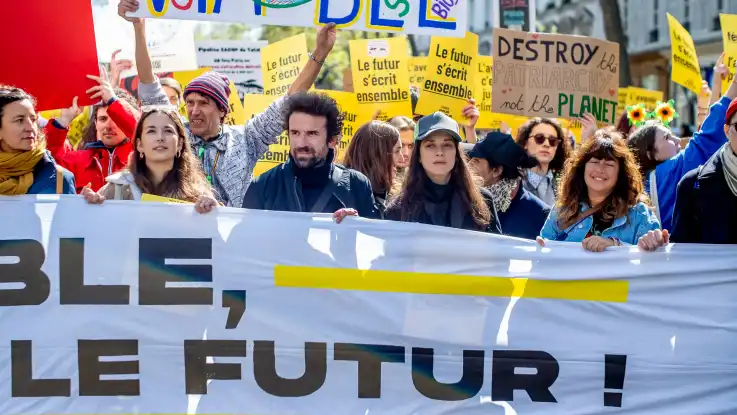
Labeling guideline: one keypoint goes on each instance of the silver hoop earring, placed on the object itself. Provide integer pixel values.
(140, 155)
(179, 153)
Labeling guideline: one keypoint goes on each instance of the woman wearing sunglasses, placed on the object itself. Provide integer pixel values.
(602, 202)
(545, 140)
(162, 164)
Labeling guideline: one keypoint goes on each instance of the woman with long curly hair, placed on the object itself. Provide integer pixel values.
(162, 164)
(602, 202)
(375, 150)
(545, 140)
(439, 188)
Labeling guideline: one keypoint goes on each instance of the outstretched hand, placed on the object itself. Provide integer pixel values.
(69, 114)
(104, 90)
(326, 37)
(128, 6)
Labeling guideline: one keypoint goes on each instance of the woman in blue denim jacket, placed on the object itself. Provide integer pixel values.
(603, 174)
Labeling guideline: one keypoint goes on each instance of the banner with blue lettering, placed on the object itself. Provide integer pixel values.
(424, 17)
(151, 308)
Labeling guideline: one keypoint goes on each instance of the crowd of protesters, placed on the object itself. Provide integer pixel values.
(626, 185)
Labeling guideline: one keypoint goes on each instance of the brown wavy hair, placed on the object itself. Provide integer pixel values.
(627, 192)
(371, 152)
(185, 181)
(642, 145)
(410, 199)
(564, 145)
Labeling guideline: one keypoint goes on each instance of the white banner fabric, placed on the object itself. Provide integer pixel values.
(422, 17)
(127, 307)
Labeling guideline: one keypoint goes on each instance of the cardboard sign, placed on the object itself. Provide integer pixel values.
(254, 104)
(238, 59)
(281, 63)
(417, 68)
(451, 76)
(686, 70)
(422, 17)
(555, 76)
(380, 76)
(729, 39)
(353, 117)
(48, 55)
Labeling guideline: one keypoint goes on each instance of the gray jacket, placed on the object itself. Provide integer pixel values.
(239, 147)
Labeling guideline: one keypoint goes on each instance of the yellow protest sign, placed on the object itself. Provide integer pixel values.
(417, 67)
(352, 117)
(643, 96)
(381, 77)
(281, 63)
(451, 76)
(484, 80)
(622, 101)
(237, 114)
(278, 153)
(729, 39)
(686, 70)
(146, 197)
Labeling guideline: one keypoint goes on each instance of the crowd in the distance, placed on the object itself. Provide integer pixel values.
(629, 185)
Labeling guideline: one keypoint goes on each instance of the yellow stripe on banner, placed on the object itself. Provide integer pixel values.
(613, 291)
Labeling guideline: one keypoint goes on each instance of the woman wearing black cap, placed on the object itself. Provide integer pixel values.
(439, 188)
(499, 161)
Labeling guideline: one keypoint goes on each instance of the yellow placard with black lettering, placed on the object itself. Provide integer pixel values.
(146, 197)
(353, 118)
(417, 68)
(254, 104)
(281, 63)
(644, 96)
(685, 63)
(381, 76)
(484, 80)
(622, 96)
(450, 79)
(729, 38)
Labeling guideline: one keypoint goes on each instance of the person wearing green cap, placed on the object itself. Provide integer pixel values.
(439, 188)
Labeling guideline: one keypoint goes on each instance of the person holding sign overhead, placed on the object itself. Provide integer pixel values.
(228, 153)
(162, 164)
(439, 188)
(662, 162)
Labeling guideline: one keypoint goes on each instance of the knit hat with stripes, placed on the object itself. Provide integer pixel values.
(214, 85)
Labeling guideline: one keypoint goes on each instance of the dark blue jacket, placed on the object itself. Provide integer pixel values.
(44, 178)
(279, 189)
(525, 217)
(705, 207)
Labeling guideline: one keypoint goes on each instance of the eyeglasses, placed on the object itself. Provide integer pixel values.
(540, 139)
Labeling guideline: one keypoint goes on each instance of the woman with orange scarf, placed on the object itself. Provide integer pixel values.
(25, 165)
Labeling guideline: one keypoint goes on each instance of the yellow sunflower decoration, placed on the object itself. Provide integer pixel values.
(665, 112)
(637, 114)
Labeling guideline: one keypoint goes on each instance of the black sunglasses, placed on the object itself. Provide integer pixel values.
(540, 139)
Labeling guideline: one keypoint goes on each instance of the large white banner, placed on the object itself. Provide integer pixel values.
(424, 17)
(135, 308)
(240, 60)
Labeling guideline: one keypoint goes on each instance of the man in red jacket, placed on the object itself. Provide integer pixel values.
(106, 145)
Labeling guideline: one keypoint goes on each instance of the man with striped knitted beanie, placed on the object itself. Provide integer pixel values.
(228, 153)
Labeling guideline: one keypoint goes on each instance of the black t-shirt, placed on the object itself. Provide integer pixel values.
(599, 225)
